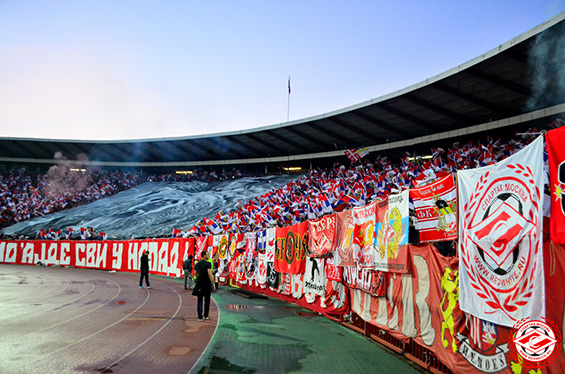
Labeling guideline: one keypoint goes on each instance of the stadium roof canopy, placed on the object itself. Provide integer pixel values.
(507, 86)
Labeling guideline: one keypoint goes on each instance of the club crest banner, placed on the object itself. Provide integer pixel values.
(290, 249)
(391, 236)
(436, 210)
(500, 248)
(321, 236)
(364, 236)
(343, 255)
(222, 244)
(556, 158)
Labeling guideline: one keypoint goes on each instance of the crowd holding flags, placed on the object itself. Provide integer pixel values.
(340, 188)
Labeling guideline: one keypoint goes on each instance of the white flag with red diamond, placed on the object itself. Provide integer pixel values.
(501, 276)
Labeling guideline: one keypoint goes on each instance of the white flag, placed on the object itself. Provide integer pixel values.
(501, 276)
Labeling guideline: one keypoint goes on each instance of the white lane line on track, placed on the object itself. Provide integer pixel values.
(25, 294)
(209, 346)
(80, 315)
(54, 307)
(93, 334)
(152, 336)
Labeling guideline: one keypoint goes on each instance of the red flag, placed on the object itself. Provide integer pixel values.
(322, 236)
(556, 157)
(290, 249)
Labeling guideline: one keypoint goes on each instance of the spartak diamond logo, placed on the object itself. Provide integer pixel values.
(536, 342)
(501, 231)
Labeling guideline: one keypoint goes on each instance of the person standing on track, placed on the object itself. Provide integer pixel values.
(204, 286)
(144, 269)
(187, 267)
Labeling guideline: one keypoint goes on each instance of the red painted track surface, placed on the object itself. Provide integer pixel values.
(62, 320)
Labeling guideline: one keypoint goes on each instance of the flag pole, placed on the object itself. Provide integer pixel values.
(288, 105)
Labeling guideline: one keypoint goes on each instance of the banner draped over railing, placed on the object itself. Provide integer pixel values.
(166, 255)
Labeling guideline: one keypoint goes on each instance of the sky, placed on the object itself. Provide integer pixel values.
(115, 70)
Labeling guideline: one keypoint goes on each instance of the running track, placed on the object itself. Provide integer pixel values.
(66, 320)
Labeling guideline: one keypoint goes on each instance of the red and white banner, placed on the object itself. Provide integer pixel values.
(271, 235)
(250, 246)
(412, 304)
(501, 268)
(200, 245)
(322, 236)
(436, 210)
(556, 157)
(166, 255)
(334, 273)
(364, 253)
(368, 280)
(391, 233)
(290, 249)
(343, 254)
(237, 244)
(189, 249)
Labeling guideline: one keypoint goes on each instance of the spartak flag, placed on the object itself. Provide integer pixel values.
(201, 245)
(322, 236)
(501, 271)
(556, 157)
(391, 233)
(436, 210)
(364, 235)
(290, 249)
(343, 254)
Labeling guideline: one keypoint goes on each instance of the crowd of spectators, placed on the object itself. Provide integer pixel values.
(342, 187)
(24, 195)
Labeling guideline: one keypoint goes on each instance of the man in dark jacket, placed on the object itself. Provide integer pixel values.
(204, 286)
(187, 267)
(144, 269)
